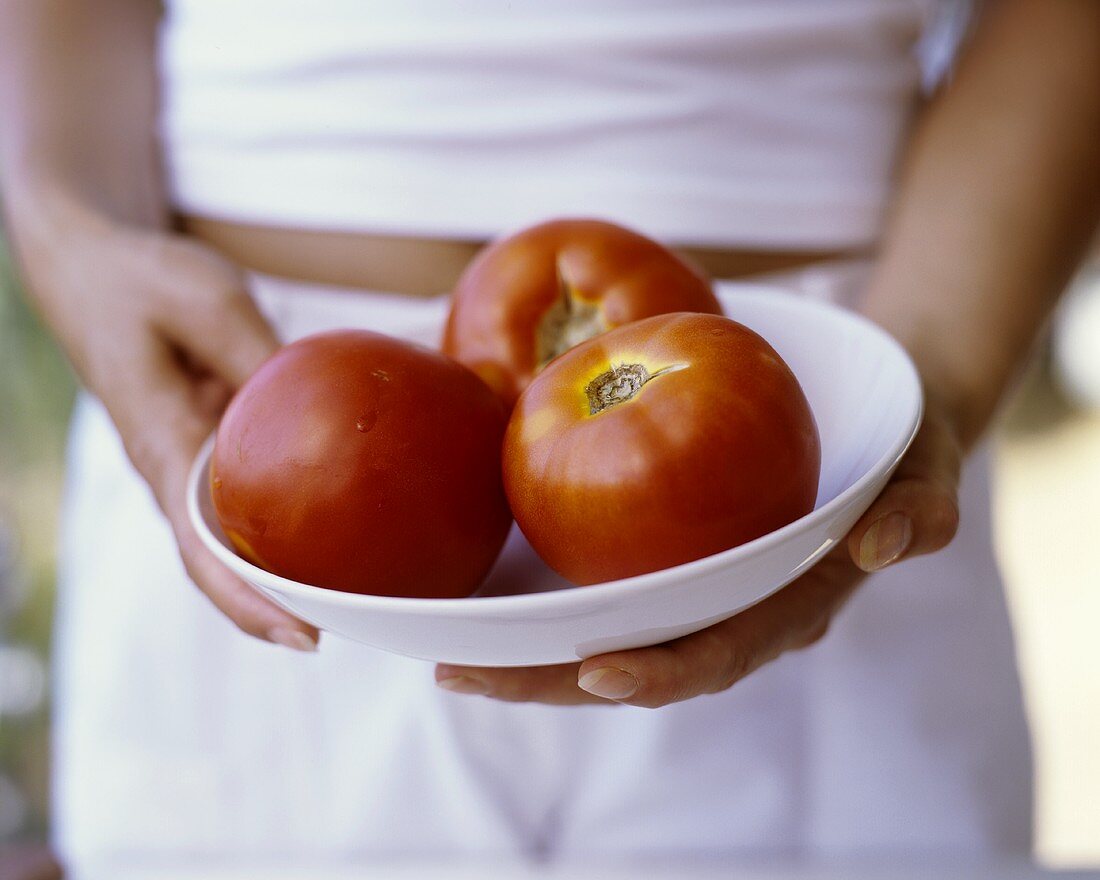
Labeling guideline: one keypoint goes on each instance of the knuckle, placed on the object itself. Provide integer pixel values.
(735, 667)
(814, 634)
(236, 298)
(666, 682)
(198, 273)
(905, 491)
(224, 300)
(194, 574)
(727, 661)
(144, 452)
(657, 690)
(511, 689)
(190, 563)
(247, 625)
(188, 428)
(676, 692)
(713, 664)
(944, 518)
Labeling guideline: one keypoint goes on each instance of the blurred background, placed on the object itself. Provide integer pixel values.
(36, 393)
(1048, 488)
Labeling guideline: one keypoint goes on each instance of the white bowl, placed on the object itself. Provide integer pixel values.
(866, 396)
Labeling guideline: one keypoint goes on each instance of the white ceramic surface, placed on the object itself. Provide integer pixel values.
(865, 394)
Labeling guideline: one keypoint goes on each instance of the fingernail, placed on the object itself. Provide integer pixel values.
(609, 683)
(886, 540)
(463, 684)
(292, 638)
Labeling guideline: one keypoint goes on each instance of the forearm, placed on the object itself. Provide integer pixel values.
(998, 198)
(78, 104)
(158, 326)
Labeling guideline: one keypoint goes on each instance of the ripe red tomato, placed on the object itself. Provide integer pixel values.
(658, 443)
(529, 297)
(359, 462)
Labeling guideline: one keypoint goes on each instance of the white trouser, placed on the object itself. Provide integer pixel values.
(178, 736)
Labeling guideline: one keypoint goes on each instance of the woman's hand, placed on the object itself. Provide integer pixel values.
(916, 513)
(162, 330)
(987, 224)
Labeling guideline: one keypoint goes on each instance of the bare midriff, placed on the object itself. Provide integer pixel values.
(423, 266)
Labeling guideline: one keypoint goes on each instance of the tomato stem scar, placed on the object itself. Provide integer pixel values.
(620, 384)
(570, 321)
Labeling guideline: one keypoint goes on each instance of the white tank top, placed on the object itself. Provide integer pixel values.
(773, 123)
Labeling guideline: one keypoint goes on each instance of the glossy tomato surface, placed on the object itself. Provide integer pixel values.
(533, 295)
(658, 443)
(358, 462)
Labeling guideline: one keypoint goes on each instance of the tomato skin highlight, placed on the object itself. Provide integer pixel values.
(358, 462)
(503, 307)
(716, 448)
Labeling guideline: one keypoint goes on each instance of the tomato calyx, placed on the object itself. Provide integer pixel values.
(571, 320)
(620, 384)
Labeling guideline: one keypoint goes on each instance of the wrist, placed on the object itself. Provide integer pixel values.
(56, 192)
(951, 382)
(954, 390)
(47, 216)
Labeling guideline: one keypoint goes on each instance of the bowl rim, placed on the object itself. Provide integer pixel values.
(593, 594)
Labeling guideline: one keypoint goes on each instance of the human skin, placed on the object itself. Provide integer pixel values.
(997, 200)
(157, 326)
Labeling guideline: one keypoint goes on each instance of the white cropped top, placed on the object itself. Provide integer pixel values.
(772, 123)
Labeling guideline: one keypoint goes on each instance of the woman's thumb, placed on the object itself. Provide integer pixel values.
(918, 511)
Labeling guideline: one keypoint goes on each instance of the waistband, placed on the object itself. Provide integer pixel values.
(300, 308)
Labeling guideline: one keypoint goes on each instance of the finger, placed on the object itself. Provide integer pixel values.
(556, 685)
(250, 611)
(715, 658)
(704, 662)
(153, 405)
(209, 312)
(162, 434)
(918, 511)
(210, 396)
